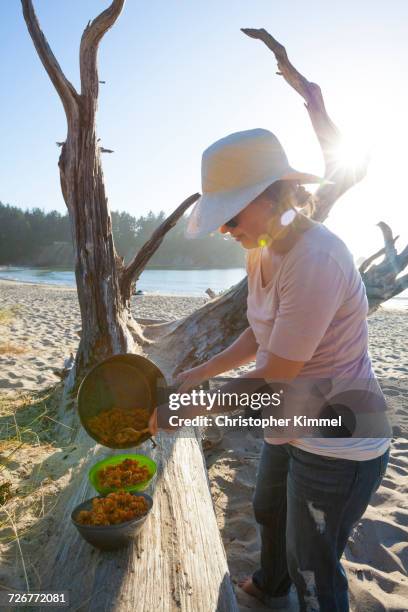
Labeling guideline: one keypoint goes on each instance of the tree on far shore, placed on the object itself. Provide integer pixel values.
(36, 238)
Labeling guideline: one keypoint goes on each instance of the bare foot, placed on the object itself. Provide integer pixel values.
(249, 587)
(274, 603)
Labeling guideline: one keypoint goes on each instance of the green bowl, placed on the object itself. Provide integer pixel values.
(140, 486)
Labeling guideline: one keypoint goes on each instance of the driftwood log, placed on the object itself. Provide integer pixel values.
(179, 561)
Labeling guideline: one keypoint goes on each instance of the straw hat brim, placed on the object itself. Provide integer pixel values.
(214, 209)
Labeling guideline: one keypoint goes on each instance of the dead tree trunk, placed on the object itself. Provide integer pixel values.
(103, 313)
(179, 561)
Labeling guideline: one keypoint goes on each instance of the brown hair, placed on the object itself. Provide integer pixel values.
(289, 194)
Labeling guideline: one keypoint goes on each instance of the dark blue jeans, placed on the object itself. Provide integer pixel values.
(306, 506)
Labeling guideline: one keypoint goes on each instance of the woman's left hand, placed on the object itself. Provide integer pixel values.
(157, 417)
(153, 428)
(188, 379)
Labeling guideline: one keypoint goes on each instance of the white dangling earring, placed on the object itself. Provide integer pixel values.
(288, 217)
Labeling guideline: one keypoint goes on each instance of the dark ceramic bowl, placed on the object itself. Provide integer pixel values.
(110, 537)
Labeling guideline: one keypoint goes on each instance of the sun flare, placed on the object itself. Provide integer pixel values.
(352, 152)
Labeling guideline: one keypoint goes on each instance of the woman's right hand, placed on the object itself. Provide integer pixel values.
(188, 379)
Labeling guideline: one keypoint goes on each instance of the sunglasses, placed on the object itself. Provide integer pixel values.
(232, 222)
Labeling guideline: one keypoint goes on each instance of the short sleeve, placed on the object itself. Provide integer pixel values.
(311, 290)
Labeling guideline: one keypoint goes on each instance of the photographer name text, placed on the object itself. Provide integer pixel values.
(223, 420)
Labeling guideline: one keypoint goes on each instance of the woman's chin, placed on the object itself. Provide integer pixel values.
(246, 243)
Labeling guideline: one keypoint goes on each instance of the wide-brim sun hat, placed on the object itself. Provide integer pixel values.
(234, 171)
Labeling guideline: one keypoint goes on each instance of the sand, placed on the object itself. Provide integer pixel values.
(42, 331)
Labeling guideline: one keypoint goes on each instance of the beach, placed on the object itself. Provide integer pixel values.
(41, 331)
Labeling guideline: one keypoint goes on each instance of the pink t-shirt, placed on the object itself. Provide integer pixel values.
(314, 310)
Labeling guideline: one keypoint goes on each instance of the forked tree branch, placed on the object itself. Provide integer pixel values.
(393, 263)
(133, 270)
(381, 280)
(367, 262)
(65, 89)
(326, 132)
(90, 40)
(328, 135)
(390, 250)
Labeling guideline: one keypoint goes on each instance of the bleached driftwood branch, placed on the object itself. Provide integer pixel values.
(65, 89)
(133, 270)
(339, 179)
(382, 281)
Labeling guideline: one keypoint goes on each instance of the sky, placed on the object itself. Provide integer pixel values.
(180, 75)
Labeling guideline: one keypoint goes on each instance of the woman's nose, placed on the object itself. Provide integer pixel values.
(224, 229)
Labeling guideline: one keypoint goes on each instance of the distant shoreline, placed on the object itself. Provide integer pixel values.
(61, 287)
(163, 267)
(170, 281)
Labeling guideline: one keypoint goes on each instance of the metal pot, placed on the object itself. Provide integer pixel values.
(131, 386)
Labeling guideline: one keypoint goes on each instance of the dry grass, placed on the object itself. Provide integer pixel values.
(27, 417)
(27, 428)
(8, 314)
(33, 472)
(8, 348)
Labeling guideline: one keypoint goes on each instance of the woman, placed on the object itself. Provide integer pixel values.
(307, 313)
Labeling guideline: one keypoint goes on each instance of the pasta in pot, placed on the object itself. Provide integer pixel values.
(119, 426)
